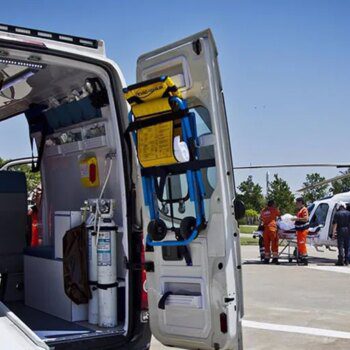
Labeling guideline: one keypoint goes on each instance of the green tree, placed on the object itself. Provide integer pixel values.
(317, 192)
(342, 185)
(252, 216)
(251, 194)
(33, 179)
(280, 192)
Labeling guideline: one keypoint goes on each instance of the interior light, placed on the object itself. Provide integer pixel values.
(31, 69)
(20, 63)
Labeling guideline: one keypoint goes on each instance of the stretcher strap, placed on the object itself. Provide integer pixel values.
(36, 168)
(151, 89)
(154, 113)
(141, 123)
(179, 168)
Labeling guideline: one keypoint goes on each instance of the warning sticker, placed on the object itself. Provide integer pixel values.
(155, 145)
(104, 254)
(84, 170)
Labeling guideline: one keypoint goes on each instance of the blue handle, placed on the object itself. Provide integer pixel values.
(172, 243)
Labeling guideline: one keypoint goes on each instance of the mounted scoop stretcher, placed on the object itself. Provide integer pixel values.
(165, 135)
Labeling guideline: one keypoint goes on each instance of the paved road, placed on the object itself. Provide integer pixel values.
(293, 307)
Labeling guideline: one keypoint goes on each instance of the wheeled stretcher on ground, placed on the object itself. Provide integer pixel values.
(288, 241)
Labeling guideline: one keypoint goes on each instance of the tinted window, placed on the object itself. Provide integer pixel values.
(310, 208)
(320, 215)
(178, 186)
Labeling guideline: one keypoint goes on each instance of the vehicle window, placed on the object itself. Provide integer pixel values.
(177, 184)
(320, 215)
(12, 149)
(310, 208)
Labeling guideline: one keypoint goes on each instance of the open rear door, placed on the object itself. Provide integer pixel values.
(198, 306)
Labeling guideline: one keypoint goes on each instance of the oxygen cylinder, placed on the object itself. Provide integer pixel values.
(93, 302)
(107, 273)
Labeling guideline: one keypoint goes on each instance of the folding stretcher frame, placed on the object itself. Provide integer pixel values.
(158, 115)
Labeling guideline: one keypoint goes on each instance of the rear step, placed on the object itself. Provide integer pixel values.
(18, 337)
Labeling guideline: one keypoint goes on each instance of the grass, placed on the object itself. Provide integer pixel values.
(248, 240)
(246, 237)
(247, 228)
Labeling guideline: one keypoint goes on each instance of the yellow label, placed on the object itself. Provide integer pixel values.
(155, 145)
(89, 176)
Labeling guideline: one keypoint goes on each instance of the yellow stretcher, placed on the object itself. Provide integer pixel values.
(161, 124)
(154, 143)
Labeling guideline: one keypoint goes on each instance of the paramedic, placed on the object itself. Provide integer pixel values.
(341, 231)
(268, 218)
(301, 227)
(34, 217)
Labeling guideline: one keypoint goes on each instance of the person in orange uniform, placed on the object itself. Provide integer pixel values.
(34, 218)
(302, 229)
(268, 217)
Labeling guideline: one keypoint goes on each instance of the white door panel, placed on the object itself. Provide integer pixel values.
(202, 307)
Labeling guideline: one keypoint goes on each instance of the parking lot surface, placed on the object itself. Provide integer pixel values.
(294, 307)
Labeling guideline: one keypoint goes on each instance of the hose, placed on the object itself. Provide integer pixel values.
(107, 178)
(98, 213)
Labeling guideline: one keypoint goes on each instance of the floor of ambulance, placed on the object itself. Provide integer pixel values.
(50, 328)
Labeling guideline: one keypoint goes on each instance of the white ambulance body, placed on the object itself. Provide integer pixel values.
(71, 94)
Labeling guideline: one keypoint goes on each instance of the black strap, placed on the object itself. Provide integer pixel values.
(301, 226)
(161, 303)
(184, 251)
(169, 89)
(107, 285)
(160, 187)
(178, 168)
(108, 228)
(36, 168)
(3, 285)
(135, 100)
(152, 119)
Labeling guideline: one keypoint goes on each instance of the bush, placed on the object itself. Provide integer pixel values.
(251, 218)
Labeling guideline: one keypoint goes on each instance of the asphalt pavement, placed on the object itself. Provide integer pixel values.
(294, 307)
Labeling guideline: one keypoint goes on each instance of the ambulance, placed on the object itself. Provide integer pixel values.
(102, 276)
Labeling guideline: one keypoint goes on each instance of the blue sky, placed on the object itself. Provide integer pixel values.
(284, 65)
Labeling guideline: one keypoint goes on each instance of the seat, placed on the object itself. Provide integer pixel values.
(13, 226)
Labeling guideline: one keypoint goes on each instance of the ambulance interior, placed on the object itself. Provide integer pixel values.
(75, 134)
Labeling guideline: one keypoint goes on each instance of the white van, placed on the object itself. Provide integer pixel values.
(71, 95)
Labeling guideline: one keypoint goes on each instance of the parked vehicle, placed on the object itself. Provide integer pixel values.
(71, 95)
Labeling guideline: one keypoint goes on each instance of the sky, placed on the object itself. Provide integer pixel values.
(284, 66)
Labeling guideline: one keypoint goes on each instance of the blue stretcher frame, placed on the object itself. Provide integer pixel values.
(195, 182)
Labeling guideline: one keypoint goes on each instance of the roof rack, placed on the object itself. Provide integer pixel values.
(68, 39)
